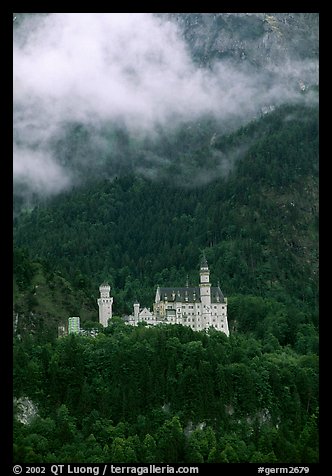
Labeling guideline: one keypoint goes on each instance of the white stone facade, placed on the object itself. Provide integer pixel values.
(198, 307)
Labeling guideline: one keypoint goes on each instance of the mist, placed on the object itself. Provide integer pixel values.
(130, 70)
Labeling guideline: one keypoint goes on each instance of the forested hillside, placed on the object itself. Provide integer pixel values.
(44, 299)
(166, 394)
(258, 225)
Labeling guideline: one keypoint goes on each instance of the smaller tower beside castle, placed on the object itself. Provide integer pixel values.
(105, 304)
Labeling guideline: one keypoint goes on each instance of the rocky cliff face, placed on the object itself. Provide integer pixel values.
(259, 39)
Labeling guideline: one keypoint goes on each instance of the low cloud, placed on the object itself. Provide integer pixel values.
(133, 70)
(40, 171)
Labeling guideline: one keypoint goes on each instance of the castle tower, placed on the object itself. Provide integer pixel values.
(105, 304)
(205, 285)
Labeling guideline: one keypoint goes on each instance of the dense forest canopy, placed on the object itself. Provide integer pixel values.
(166, 394)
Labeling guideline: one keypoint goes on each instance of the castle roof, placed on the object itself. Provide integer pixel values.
(190, 294)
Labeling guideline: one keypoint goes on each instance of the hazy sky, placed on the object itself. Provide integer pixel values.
(131, 68)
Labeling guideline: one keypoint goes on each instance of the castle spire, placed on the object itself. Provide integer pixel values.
(158, 297)
(204, 263)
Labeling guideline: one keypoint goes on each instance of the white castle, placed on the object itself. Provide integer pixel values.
(199, 307)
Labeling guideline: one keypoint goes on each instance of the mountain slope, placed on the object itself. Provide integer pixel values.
(43, 299)
(258, 226)
(188, 74)
(258, 39)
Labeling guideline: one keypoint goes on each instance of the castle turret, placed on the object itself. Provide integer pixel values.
(105, 304)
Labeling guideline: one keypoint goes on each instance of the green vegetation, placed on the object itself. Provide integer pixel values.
(166, 394)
